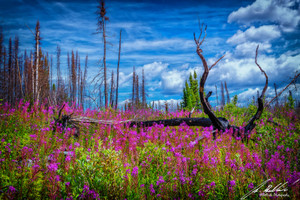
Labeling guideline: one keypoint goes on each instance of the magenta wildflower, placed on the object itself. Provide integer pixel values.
(53, 166)
(160, 181)
(34, 136)
(231, 183)
(250, 186)
(76, 144)
(135, 171)
(68, 158)
(212, 184)
(12, 189)
(152, 189)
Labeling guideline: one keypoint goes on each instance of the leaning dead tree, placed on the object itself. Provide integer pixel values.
(219, 124)
(297, 75)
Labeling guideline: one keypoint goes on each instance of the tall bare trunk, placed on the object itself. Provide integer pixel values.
(227, 93)
(133, 87)
(217, 95)
(137, 98)
(143, 90)
(223, 95)
(117, 89)
(104, 63)
(112, 87)
(37, 66)
(10, 89)
(277, 103)
(32, 76)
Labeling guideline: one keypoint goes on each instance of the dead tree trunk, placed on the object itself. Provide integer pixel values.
(218, 123)
(117, 89)
(223, 124)
(277, 103)
(37, 61)
(227, 93)
(217, 95)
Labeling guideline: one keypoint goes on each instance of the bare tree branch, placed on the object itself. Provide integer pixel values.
(216, 62)
(293, 81)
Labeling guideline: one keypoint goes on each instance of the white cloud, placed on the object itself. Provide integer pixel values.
(172, 81)
(161, 104)
(247, 49)
(165, 44)
(262, 34)
(277, 11)
(153, 70)
(240, 73)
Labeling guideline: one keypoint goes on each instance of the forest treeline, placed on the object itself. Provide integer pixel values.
(29, 75)
(35, 76)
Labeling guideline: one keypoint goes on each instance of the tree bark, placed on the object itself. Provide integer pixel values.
(117, 89)
(104, 63)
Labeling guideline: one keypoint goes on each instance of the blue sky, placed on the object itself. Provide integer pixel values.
(158, 36)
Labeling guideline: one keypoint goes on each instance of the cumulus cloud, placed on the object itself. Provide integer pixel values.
(261, 34)
(247, 49)
(241, 73)
(172, 81)
(285, 13)
(161, 104)
(165, 44)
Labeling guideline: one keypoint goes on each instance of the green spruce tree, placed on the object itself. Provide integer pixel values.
(191, 97)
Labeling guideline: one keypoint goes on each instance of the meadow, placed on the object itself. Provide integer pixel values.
(119, 162)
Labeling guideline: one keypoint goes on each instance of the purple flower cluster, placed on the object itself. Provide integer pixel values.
(88, 193)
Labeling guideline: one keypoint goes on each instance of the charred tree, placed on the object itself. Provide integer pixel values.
(117, 87)
(218, 123)
(74, 77)
(37, 61)
(227, 93)
(133, 88)
(144, 103)
(137, 96)
(10, 73)
(112, 88)
(277, 103)
(217, 95)
(102, 18)
(223, 95)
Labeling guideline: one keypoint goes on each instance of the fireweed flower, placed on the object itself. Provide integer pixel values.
(53, 166)
(160, 181)
(68, 158)
(76, 144)
(135, 171)
(231, 183)
(250, 186)
(152, 189)
(12, 189)
(212, 184)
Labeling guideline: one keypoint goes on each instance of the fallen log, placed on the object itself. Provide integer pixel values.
(204, 122)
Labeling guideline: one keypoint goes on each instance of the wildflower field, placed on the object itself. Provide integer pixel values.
(118, 162)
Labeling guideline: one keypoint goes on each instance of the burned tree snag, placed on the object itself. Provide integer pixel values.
(218, 123)
(222, 124)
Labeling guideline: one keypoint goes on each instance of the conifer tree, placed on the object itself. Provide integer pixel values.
(191, 98)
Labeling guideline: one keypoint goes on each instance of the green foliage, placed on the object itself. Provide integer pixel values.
(235, 99)
(291, 101)
(119, 162)
(191, 97)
